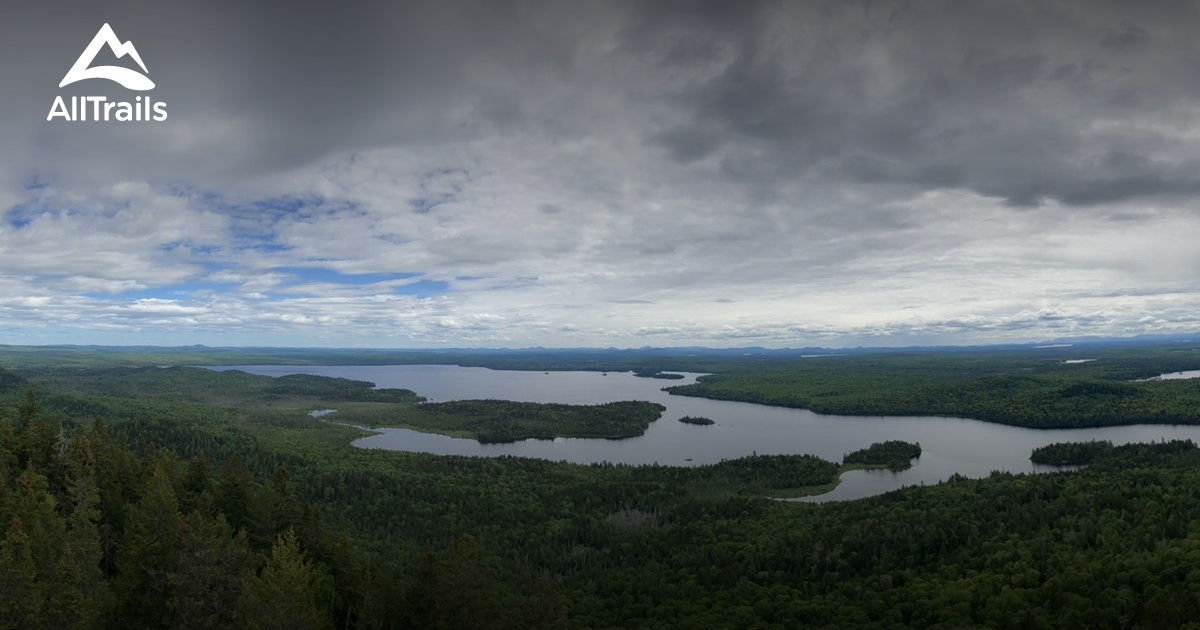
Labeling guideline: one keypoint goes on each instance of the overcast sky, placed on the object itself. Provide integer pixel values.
(500, 173)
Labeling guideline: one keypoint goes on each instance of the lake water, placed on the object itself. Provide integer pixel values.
(1173, 376)
(949, 445)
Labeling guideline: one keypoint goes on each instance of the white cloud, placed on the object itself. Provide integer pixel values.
(614, 175)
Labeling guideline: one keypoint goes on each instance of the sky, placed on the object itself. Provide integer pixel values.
(503, 173)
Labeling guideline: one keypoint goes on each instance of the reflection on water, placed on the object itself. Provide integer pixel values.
(949, 445)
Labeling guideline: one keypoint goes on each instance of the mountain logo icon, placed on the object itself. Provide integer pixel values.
(128, 78)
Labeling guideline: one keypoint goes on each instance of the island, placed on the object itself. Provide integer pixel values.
(1071, 453)
(497, 421)
(894, 455)
(700, 420)
(670, 376)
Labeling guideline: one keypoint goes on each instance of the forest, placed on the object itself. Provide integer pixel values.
(894, 454)
(669, 376)
(495, 421)
(219, 491)
(1030, 388)
(1071, 453)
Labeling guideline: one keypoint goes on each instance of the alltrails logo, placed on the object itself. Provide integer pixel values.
(99, 107)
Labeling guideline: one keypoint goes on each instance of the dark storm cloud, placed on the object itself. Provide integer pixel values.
(1125, 37)
(999, 97)
(278, 84)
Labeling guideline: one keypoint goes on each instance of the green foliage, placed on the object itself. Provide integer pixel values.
(222, 399)
(758, 473)
(22, 594)
(336, 390)
(643, 373)
(701, 420)
(429, 541)
(9, 381)
(1071, 453)
(1086, 549)
(456, 590)
(94, 538)
(284, 594)
(1017, 388)
(492, 421)
(109, 387)
(894, 454)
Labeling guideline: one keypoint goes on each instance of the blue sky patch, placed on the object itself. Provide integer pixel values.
(419, 288)
(423, 288)
(183, 291)
(305, 275)
(287, 203)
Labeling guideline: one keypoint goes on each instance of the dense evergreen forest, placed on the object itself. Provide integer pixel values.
(1036, 389)
(669, 376)
(493, 421)
(1071, 453)
(357, 402)
(894, 454)
(238, 509)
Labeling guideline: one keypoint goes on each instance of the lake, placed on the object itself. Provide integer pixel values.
(949, 445)
(1174, 376)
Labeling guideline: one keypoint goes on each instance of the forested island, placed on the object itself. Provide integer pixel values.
(212, 498)
(893, 454)
(1071, 453)
(698, 420)
(497, 421)
(670, 376)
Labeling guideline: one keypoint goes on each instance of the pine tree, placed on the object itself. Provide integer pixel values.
(36, 435)
(282, 595)
(466, 595)
(68, 604)
(421, 596)
(148, 552)
(21, 601)
(8, 466)
(83, 543)
(198, 487)
(118, 480)
(212, 569)
(275, 509)
(235, 492)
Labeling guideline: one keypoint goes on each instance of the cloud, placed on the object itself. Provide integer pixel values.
(531, 173)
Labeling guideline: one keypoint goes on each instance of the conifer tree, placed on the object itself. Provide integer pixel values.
(21, 601)
(212, 568)
(148, 552)
(282, 595)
